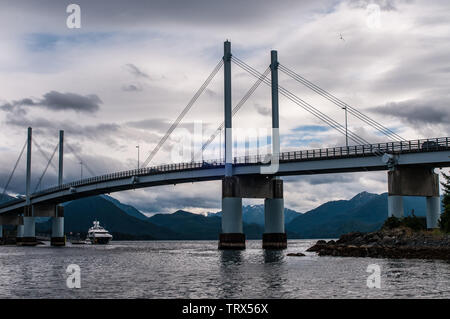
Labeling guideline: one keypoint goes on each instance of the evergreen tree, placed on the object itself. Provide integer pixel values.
(444, 222)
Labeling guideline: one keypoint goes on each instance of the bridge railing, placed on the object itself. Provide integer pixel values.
(421, 145)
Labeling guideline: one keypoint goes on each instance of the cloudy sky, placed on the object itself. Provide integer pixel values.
(120, 79)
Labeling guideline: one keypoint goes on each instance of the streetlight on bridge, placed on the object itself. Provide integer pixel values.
(81, 170)
(346, 128)
(137, 146)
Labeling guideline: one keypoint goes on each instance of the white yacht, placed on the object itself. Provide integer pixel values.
(98, 235)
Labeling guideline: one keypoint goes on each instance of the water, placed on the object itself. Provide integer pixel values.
(196, 269)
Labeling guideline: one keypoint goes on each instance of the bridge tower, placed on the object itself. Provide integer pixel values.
(232, 236)
(58, 238)
(263, 185)
(274, 236)
(28, 235)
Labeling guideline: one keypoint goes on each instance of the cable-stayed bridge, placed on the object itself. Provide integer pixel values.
(410, 165)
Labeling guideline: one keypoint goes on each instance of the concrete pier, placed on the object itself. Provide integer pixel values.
(414, 181)
(433, 211)
(58, 238)
(29, 234)
(395, 206)
(19, 235)
(274, 236)
(232, 236)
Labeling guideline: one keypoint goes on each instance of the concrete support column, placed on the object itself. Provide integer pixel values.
(29, 235)
(395, 206)
(58, 238)
(274, 236)
(433, 211)
(273, 215)
(232, 236)
(1, 234)
(19, 235)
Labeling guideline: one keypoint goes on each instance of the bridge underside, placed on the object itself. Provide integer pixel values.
(286, 168)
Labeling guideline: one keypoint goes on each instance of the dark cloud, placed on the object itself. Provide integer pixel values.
(136, 71)
(106, 132)
(70, 101)
(114, 13)
(263, 110)
(132, 88)
(324, 179)
(171, 198)
(56, 101)
(385, 5)
(418, 111)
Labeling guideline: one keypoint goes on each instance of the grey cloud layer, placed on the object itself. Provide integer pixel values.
(136, 71)
(418, 111)
(57, 101)
(127, 44)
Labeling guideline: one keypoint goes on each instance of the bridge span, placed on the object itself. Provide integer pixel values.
(410, 166)
(358, 158)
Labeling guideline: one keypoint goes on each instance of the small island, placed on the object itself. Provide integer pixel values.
(398, 238)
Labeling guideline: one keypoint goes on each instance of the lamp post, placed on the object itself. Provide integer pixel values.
(81, 170)
(346, 128)
(137, 146)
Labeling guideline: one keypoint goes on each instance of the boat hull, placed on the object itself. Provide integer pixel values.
(100, 240)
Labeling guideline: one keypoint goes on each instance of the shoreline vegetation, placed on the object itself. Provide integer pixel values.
(398, 238)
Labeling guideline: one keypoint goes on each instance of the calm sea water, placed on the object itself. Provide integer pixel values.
(196, 269)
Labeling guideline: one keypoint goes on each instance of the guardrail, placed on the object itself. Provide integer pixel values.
(412, 146)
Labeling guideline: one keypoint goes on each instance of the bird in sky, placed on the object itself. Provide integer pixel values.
(341, 37)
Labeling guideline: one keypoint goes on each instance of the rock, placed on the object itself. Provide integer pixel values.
(392, 243)
(319, 245)
(296, 254)
(349, 237)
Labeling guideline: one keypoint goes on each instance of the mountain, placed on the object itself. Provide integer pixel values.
(254, 214)
(79, 215)
(365, 212)
(194, 226)
(130, 210)
(5, 198)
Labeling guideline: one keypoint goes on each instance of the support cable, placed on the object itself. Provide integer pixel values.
(303, 104)
(237, 107)
(45, 170)
(183, 113)
(42, 152)
(355, 112)
(80, 159)
(14, 169)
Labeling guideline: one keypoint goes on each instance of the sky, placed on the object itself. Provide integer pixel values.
(122, 78)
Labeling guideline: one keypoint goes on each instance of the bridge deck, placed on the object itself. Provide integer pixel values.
(353, 158)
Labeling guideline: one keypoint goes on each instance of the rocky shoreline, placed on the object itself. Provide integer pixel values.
(387, 243)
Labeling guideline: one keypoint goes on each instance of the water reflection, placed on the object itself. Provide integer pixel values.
(274, 256)
(231, 275)
(199, 270)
